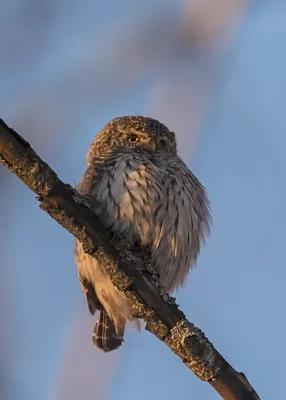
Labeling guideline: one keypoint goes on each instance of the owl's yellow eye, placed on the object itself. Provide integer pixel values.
(132, 138)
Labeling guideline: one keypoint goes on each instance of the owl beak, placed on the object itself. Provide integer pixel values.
(150, 144)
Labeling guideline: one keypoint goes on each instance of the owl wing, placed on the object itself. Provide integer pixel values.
(86, 286)
(181, 220)
(167, 210)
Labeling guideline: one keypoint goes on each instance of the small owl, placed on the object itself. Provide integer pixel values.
(140, 188)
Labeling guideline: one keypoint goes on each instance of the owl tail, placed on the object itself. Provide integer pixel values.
(104, 335)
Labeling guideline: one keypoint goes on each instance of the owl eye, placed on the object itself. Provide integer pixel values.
(133, 138)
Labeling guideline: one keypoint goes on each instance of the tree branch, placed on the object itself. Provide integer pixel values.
(129, 270)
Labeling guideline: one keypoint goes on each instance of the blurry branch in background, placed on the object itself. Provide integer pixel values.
(91, 371)
(130, 271)
(211, 23)
(183, 92)
(135, 48)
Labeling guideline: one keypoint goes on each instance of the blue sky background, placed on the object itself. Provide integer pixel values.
(67, 68)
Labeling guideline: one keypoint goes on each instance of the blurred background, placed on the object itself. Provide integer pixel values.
(214, 72)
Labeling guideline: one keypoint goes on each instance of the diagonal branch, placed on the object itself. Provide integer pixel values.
(130, 271)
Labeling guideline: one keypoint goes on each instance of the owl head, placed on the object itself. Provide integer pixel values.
(133, 132)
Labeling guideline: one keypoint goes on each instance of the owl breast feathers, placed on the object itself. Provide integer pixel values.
(139, 187)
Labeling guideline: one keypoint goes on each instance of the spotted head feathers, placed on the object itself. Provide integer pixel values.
(133, 131)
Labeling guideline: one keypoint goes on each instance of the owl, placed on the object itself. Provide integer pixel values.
(140, 188)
